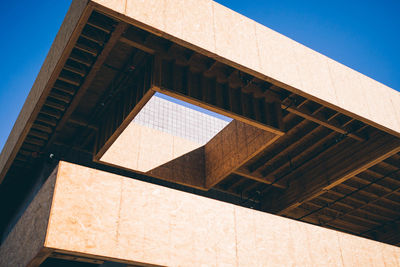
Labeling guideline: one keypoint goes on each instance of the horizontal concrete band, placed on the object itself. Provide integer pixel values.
(213, 29)
(102, 215)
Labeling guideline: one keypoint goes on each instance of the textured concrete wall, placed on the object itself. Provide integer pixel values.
(215, 30)
(26, 240)
(188, 169)
(106, 215)
(142, 148)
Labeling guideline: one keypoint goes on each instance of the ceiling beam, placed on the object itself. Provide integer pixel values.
(255, 88)
(318, 119)
(195, 88)
(387, 232)
(115, 36)
(258, 178)
(332, 169)
(137, 44)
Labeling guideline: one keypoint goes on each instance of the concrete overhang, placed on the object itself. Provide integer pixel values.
(87, 215)
(317, 111)
(220, 33)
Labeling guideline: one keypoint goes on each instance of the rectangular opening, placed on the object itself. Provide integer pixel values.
(164, 129)
(173, 125)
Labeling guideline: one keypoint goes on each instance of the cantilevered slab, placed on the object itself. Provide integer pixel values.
(98, 214)
(86, 213)
(217, 31)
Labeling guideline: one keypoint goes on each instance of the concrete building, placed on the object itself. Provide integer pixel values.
(301, 167)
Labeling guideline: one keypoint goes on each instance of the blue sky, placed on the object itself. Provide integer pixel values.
(364, 35)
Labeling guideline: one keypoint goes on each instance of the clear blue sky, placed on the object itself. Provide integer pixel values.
(364, 35)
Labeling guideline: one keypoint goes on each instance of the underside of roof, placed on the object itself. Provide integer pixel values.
(311, 161)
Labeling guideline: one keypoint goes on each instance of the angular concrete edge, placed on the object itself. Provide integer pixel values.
(41, 85)
(208, 165)
(89, 213)
(24, 246)
(231, 148)
(243, 43)
(181, 170)
(106, 216)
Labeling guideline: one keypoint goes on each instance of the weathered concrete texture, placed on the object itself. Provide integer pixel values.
(215, 30)
(26, 240)
(193, 25)
(142, 148)
(235, 37)
(105, 215)
(31, 104)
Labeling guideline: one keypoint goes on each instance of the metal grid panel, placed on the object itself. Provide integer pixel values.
(178, 120)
